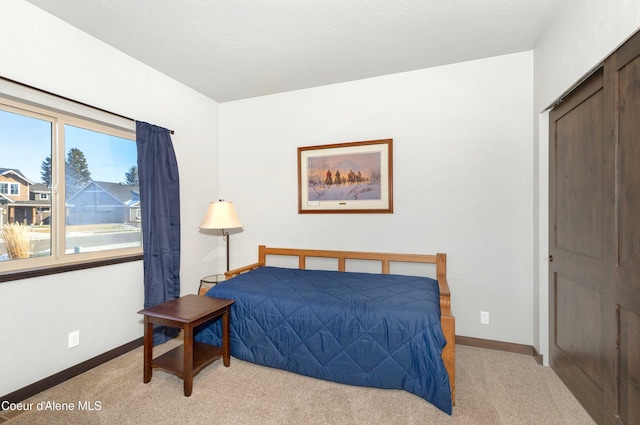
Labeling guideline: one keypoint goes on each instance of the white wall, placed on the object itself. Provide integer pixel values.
(466, 172)
(462, 178)
(582, 34)
(37, 314)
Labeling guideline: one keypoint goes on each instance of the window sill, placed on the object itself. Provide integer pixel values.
(44, 271)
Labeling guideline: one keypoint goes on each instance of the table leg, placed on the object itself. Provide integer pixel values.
(226, 338)
(148, 349)
(187, 371)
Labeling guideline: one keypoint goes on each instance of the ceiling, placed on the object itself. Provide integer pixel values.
(235, 49)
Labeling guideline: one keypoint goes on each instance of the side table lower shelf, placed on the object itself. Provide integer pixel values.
(203, 355)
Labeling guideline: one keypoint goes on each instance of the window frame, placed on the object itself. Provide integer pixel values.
(9, 190)
(61, 112)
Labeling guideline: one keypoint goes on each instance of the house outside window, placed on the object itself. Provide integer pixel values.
(66, 195)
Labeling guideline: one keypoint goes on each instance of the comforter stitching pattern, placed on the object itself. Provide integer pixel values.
(295, 347)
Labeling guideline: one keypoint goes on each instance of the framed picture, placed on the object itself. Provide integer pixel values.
(355, 177)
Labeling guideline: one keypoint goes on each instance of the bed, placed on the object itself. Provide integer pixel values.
(382, 330)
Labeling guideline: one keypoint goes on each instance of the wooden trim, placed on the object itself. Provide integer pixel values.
(537, 356)
(240, 270)
(63, 268)
(346, 255)
(447, 319)
(499, 346)
(60, 377)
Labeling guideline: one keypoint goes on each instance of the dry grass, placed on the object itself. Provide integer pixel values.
(16, 240)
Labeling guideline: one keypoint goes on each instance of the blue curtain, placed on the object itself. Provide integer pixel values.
(160, 208)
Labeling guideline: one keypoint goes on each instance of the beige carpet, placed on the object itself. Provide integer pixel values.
(493, 387)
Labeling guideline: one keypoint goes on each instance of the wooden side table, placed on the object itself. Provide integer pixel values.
(191, 357)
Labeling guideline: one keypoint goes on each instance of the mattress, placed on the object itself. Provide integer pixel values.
(376, 330)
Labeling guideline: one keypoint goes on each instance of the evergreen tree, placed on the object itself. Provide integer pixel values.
(77, 172)
(131, 177)
(45, 172)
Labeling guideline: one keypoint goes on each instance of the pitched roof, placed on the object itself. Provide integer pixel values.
(39, 187)
(5, 171)
(122, 192)
(128, 195)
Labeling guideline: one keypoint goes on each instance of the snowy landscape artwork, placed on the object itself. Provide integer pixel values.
(347, 177)
(342, 177)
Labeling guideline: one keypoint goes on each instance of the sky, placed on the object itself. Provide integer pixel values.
(25, 142)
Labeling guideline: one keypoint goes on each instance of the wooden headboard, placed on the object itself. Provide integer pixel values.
(447, 319)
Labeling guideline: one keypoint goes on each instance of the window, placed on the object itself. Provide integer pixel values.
(68, 188)
(10, 188)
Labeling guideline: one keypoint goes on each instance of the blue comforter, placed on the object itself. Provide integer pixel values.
(355, 328)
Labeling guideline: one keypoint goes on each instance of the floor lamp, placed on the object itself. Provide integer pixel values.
(221, 215)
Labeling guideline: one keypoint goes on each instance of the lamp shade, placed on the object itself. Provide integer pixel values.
(221, 215)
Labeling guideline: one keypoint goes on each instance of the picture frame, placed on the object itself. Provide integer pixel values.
(353, 177)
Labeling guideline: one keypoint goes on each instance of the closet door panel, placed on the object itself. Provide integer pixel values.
(626, 264)
(577, 244)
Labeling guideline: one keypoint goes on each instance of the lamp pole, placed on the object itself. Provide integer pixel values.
(225, 235)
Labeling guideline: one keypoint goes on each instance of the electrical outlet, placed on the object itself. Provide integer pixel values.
(74, 339)
(484, 317)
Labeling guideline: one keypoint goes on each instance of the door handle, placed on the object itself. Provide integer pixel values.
(551, 258)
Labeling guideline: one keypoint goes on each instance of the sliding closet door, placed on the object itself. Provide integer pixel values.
(578, 282)
(594, 239)
(623, 76)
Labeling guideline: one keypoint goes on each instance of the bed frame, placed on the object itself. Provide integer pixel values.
(440, 260)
